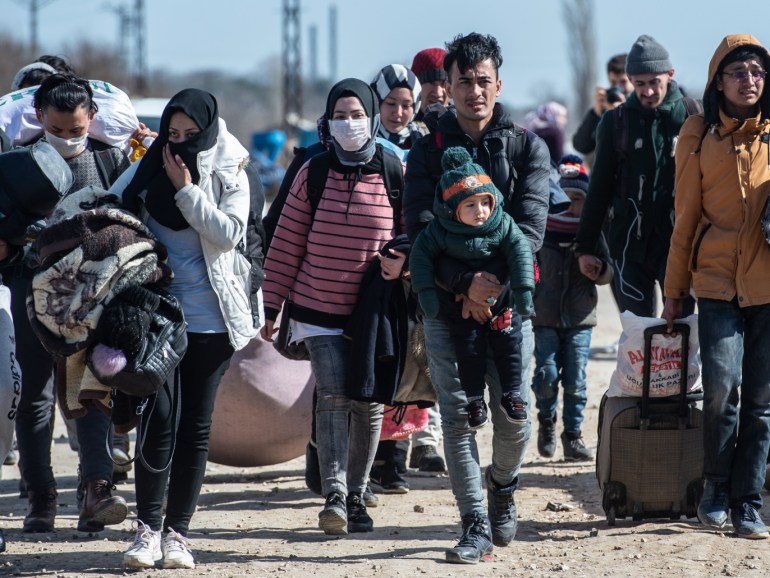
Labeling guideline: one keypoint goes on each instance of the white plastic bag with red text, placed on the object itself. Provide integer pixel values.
(665, 362)
(10, 374)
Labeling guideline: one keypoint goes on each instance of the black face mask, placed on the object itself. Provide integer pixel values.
(159, 201)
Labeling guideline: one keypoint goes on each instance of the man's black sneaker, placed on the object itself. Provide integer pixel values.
(426, 459)
(514, 407)
(502, 510)
(575, 449)
(333, 519)
(546, 437)
(477, 414)
(475, 542)
(312, 469)
(358, 519)
(386, 480)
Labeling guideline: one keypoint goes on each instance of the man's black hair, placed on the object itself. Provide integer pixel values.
(713, 98)
(57, 62)
(34, 77)
(469, 50)
(617, 64)
(65, 93)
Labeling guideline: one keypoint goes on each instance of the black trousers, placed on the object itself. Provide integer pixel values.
(471, 341)
(207, 358)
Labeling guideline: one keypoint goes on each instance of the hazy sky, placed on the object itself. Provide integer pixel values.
(241, 35)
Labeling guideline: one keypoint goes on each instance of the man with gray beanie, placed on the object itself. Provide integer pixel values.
(633, 180)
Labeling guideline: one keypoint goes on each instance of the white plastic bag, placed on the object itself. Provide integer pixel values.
(113, 124)
(10, 374)
(666, 354)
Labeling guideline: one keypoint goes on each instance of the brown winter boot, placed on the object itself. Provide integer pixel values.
(100, 507)
(41, 511)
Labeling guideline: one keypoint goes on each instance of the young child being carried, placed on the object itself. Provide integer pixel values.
(471, 227)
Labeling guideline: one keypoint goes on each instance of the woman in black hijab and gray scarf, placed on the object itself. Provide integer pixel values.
(192, 192)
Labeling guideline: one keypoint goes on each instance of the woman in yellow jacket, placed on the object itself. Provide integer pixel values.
(718, 248)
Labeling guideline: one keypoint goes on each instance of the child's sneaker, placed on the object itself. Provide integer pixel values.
(145, 550)
(176, 551)
(477, 414)
(514, 407)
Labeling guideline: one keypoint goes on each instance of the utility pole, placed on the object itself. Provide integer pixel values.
(292, 66)
(141, 48)
(333, 43)
(125, 23)
(34, 9)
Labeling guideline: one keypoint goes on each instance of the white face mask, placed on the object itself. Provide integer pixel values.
(352, 134)
(67, 147)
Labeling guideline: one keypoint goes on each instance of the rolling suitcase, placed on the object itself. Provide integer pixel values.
(650, 458)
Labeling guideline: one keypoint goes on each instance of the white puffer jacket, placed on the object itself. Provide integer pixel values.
(217, 208)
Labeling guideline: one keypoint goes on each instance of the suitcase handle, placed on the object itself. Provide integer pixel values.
(683, 329)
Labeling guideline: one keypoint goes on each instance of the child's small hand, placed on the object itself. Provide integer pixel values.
(590, 266)
(392, 264)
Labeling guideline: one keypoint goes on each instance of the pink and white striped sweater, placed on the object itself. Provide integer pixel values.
(322, 262)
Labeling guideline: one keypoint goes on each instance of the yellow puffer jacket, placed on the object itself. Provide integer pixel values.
(722, 186)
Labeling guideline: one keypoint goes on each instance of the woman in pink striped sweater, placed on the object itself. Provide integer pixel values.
(318, 260)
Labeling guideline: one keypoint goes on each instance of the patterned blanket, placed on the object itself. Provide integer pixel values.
(89, 252)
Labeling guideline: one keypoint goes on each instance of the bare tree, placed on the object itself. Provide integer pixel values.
(579, 21)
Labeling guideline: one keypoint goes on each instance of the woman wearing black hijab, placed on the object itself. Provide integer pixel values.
(318, 259)
(191, 191)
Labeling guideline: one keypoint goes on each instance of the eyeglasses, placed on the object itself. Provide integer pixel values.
(743, 75)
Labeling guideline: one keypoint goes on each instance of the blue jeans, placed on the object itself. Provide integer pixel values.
(347, 431)
(561, 355)
(734, 344)
(509, 440)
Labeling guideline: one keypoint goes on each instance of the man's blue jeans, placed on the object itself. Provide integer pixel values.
(509, 440)
(347, 431)
(735, 353)
(561, 356)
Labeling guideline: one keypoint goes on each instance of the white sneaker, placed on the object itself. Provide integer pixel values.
(145, 550)
(176, 551)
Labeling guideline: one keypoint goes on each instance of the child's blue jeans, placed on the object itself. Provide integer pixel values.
(561, 356)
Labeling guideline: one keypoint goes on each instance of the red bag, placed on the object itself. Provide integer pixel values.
(399, 422)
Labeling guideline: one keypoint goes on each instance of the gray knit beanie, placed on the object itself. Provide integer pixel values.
(647, 56)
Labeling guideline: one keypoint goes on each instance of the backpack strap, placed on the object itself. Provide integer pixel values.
(620, 145)
(514, 146)
(105, 162)
(393, 176)
(317, 171)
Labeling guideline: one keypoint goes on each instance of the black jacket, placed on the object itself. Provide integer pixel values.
(641, 216)
(584, 139)
(564, 297)
(522, 179)
(379, 332)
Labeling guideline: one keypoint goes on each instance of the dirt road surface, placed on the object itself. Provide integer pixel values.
(263, 522)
